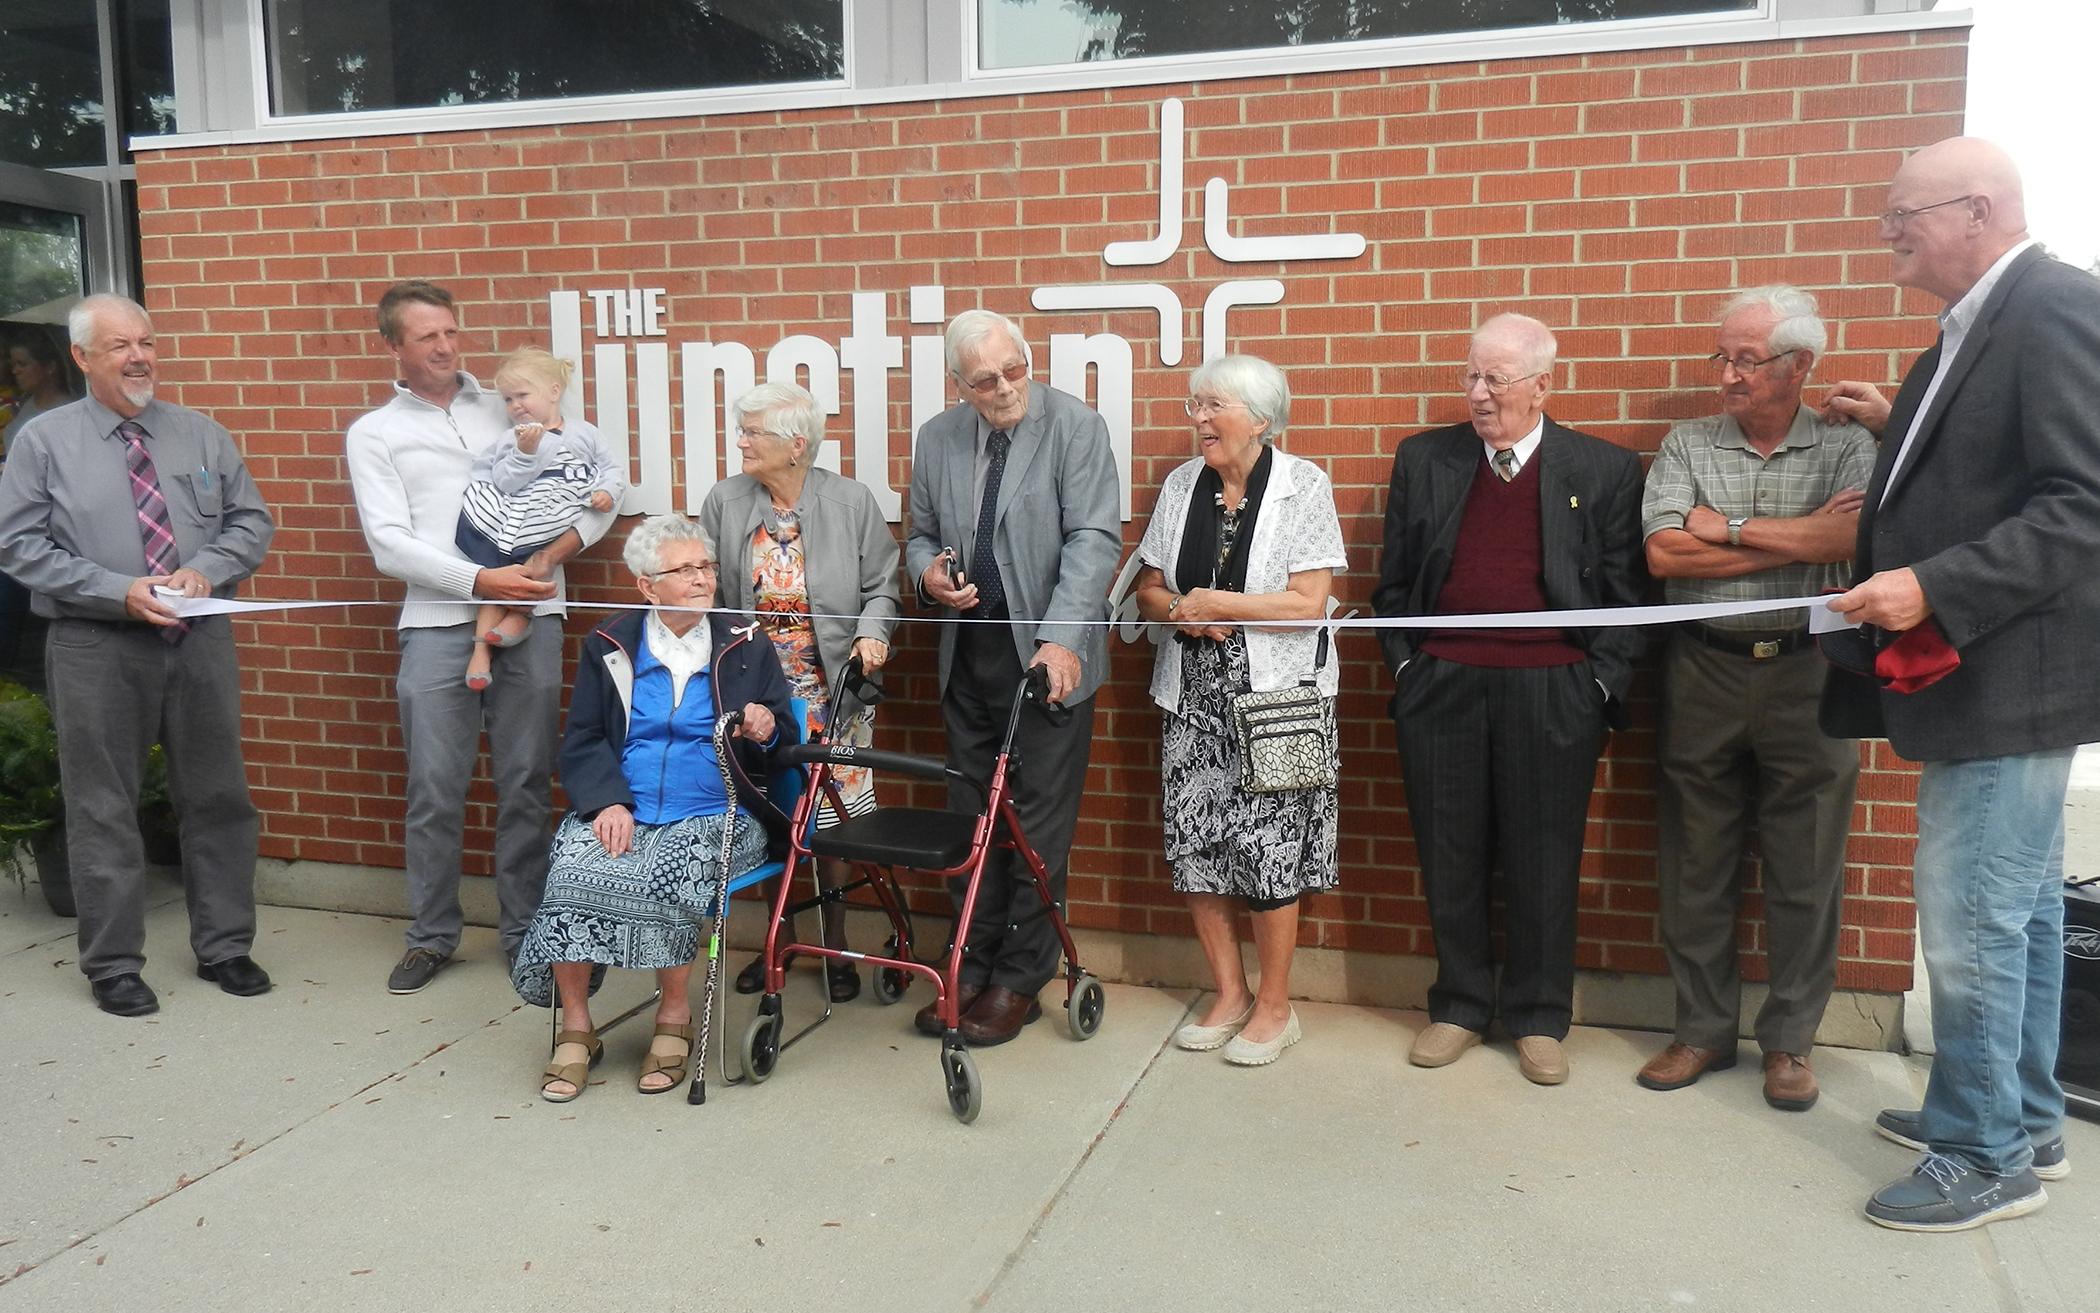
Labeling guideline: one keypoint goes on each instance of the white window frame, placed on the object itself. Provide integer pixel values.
(917, 50)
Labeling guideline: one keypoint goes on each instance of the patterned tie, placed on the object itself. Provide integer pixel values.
(1506, 465)
(984, 562)
(155, 530)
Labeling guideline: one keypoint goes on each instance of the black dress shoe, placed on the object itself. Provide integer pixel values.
(928, 1018)
(124, 996)
(842, 981)
(998, 1017)
(237, 975)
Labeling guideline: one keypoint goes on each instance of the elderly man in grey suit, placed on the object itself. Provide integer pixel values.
(1979, 531)
(1013, 518)
(111, 510)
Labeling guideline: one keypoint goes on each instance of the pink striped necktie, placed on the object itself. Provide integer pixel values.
(155, 530)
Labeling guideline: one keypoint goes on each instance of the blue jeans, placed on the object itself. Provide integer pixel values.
(1989, 887)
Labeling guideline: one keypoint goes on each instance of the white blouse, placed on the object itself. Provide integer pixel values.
(1296, 530)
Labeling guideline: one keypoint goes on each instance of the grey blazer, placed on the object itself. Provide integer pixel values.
(1058, 535)
(1997, 509)
(849, 556)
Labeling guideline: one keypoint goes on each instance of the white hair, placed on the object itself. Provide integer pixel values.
(796, 410)
(1799, 328)
(80, 320)
(1251, 381)
(971, 327)
(644, 552)
(1530, 337)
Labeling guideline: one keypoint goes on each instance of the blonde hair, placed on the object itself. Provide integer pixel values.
(536, 365)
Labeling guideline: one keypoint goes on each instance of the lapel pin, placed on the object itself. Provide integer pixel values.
(1574, 504)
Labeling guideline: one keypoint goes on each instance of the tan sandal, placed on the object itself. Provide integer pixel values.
(575, 1073)
(672, 1065)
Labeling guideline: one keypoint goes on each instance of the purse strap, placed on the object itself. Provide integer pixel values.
(1319, 661)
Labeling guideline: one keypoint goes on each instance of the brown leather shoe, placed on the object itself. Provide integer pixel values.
(928, 1019)
(1790, 1083)
(998, 1016)
(1541, 1059)
(1680, 1064)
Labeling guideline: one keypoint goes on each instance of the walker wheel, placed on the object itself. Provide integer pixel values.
(965, 1089)
(761, 1047)
(1084, 1008)
(890, 984)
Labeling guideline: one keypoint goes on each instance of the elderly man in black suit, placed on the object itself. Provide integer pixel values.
(1979, 531)
(1500, 729)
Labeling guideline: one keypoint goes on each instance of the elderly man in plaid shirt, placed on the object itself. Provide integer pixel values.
(1760, 501)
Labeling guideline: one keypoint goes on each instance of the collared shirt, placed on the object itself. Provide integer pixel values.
(1526, 446)
(684, 655)
(1955, 322)
(69, 530)
(1710, 462)
(410, 462)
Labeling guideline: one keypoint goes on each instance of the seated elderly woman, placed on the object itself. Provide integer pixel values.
(635, 864)
(810, 553)
(1242, 534)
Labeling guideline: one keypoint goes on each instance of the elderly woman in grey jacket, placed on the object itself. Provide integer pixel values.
(809, 552)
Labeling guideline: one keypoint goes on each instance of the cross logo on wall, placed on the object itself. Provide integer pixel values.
(1162, 245)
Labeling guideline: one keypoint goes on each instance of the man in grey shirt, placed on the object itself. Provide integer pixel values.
(1760, 501)
(110, 508)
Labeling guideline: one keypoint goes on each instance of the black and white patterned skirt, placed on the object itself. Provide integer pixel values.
(1220, 838)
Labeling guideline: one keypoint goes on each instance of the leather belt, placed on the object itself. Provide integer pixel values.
(1757, 649)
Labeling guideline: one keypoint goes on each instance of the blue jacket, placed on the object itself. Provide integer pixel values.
(744, 669)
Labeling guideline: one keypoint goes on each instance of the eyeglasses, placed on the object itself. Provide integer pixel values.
(1013, 373)
(1496, 384)
(755, 434)
(1898, 217)
(1203, 407)
(688, 574)
(1744, 365)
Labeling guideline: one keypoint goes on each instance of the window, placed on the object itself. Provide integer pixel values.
(50, 84)
(1016, 34)
(329, 57)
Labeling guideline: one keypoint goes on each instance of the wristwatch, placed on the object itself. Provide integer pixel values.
(1735, 530)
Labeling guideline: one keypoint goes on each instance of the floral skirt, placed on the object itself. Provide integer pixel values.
(1221, 839)
(641, 910)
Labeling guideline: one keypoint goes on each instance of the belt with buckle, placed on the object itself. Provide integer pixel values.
(1757, 649)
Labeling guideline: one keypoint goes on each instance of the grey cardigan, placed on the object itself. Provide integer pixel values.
(849, 556)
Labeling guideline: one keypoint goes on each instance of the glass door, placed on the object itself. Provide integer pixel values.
(54, 243)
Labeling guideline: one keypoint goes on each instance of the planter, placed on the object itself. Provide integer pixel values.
(160, 834)
(49, 849)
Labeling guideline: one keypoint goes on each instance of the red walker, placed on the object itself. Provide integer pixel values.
(936, 842)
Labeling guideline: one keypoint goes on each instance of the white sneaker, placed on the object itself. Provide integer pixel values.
(1202, 1039)
(1243, 1052)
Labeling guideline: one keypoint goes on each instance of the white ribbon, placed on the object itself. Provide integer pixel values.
(1820, 617)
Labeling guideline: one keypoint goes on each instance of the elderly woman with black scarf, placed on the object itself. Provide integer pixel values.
(1242, 536)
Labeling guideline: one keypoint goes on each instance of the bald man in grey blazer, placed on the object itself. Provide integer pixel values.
(1014, 517)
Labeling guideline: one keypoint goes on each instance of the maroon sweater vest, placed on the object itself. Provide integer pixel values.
(1498, 565)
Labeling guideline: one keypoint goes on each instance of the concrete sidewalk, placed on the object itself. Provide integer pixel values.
(329, 1147)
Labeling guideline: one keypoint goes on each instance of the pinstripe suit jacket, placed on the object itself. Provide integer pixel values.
(1590, 536)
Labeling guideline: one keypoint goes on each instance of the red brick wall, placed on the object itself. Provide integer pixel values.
(1615, 196)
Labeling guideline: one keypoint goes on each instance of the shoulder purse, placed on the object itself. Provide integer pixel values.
(1287, 735)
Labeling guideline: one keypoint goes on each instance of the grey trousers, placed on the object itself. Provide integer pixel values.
(1739, 737)
(441, 722)
(116, 689)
